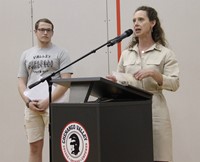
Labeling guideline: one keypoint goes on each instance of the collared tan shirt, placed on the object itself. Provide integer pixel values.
(156, 57)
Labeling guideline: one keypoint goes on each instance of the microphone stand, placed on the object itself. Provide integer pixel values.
(49, 81)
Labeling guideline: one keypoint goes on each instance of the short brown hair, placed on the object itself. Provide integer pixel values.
(43, 20)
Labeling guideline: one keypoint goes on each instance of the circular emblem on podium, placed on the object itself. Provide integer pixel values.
(74, 143)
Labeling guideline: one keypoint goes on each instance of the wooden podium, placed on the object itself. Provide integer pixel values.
(116, 126)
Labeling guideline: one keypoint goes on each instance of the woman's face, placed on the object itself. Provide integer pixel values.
(141, 24)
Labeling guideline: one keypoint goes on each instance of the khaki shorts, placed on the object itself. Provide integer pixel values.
(35, 124)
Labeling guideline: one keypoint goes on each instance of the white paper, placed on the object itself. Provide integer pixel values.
(40, 91)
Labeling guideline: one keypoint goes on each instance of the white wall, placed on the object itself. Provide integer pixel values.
(81, 26)
(14, 37)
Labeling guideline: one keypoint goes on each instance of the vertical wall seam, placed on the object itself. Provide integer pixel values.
(32, 29)
(107, 29)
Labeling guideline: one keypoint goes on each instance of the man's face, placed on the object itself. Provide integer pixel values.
(44, 33)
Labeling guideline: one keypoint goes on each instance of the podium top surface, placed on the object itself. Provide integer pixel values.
(104, 88)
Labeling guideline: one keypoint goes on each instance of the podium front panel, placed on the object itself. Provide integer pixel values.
(114, 131)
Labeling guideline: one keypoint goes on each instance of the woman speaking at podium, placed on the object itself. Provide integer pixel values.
(148, 64)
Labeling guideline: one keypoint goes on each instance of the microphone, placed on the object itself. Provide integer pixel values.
(118, 39)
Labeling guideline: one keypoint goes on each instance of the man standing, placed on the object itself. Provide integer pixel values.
(36, 63)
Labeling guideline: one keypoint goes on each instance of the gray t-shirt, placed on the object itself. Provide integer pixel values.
(36, 63)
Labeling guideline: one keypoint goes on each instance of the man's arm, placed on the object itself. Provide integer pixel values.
(60, 90)
(22, 81)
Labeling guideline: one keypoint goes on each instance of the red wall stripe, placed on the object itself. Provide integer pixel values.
(118, 26)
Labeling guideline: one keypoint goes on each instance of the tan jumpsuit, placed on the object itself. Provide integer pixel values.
(163, 60)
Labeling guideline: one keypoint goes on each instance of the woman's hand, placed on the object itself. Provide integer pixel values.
(144, 73)
(111, 78)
